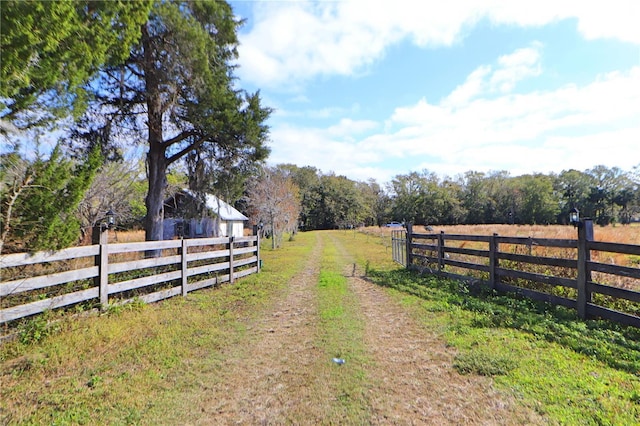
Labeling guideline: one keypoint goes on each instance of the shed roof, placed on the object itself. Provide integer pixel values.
(223, 210)
(219, 207)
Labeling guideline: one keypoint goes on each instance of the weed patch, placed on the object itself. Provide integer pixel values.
(34, 329)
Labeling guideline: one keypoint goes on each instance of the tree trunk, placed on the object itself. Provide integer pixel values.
(156, 159)
(154, 202)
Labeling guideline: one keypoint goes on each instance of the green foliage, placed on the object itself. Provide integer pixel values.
(94, 381)
(58, 45)
(426, 199)
(44, 214)
(574, 188)
(33, 330)
(307, 179)
(118, 308)
(539, 203)
(330, 201)
(605, 194)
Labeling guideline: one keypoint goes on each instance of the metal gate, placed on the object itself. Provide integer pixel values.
(399, 246)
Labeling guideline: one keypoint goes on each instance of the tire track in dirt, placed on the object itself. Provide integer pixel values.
(413, 379)
(269, 378)
(266, 380)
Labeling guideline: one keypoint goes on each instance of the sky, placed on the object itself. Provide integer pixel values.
(374, 89)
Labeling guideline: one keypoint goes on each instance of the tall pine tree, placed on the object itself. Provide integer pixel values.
(176, 93)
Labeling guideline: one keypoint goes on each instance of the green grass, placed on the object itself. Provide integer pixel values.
(133, 363)
(571, 371)
(340, 334)
(484, 363)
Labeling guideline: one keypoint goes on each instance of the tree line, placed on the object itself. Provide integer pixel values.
(607, 195)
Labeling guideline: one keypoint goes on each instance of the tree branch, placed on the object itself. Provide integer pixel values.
(183, 152)
(11, 200)
(179, 138)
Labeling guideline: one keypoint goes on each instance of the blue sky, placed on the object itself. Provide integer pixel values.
(373, 89)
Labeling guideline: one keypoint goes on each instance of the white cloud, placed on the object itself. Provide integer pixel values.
(520, 132)
(472, 87)
(347, 127)
(609, 101)
(541, 131)
(508, 71)
(517, 66)
(321, 113)
(321, 148)
(293, 42)
(300, 99)
(616, 19)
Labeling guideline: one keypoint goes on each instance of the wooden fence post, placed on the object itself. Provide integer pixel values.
(231, 259)
(100, 235)
(441, 251)
(183, 254)
(493, 261)
(256, 233)
(585, 235)
(409, 242)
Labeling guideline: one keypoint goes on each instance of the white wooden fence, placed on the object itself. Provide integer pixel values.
(31, 283)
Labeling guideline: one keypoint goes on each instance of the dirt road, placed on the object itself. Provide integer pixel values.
(281, 375)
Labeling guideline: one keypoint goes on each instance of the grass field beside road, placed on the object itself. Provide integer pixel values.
(146, 364)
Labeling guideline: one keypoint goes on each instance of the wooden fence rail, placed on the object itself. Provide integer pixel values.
(120, 273)
(503, 263)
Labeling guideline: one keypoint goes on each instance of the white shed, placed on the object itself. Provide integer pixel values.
(217, 219)
(229, 221)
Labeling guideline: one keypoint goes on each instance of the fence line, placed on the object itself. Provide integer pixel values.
(120, 273)
(501, 270)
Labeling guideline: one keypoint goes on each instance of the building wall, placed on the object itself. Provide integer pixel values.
(190, 228)
(236, 228)
(201, 228)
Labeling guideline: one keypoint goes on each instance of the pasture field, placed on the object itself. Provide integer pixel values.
(625, 234)
(417, 350)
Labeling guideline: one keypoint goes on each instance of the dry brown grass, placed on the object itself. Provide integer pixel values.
(619, 234)
(126, 236)
(614, 234)
(625, 234)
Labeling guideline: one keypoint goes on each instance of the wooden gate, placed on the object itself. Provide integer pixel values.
(399, 246)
